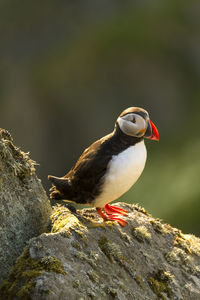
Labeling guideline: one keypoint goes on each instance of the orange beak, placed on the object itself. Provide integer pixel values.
(155, 134)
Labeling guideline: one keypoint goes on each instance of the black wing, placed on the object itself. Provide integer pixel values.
(83, 182)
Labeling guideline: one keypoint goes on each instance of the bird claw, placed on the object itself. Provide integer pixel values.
(110, 209)
(110, 216)
(121, 222)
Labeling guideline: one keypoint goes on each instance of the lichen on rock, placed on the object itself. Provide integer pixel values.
(27, 269)
(16, 161)
(25, 209)
(82, 256)
(89, 258)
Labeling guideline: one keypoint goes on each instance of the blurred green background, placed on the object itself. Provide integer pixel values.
(68, 69)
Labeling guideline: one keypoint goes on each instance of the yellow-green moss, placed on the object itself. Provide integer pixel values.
(125, 237)
(139, 281)
(141, 234)
(65, 222)
(22, 276)
(93, 276)
(5, 134)
(178, 256)
(190, 266)
(193, 243)
(17, 162)
(181, 242)
(76, 284)
(141, 209)
(159, 283)
(76, 245)
(111, 250)
(86, 257)
(62, 218)
(111, 291)
(104, 224)
(174, 256)
(159, 227)
(158, 287)
(114, 254)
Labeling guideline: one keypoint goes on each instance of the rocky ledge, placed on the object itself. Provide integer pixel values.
(84, 257)
(80, 256)
(24, 206)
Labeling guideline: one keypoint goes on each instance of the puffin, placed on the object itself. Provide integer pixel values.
(109, 167)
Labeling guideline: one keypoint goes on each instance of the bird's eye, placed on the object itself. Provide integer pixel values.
(134, 120)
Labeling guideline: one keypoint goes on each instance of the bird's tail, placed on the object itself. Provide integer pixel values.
(57, 181)
(60, 187)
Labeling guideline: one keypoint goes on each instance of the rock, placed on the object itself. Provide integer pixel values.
(86, 258)
(24, 207)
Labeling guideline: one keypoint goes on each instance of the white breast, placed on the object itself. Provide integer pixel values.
(123, 171)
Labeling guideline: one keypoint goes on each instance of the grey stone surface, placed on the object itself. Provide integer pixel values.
(24, 207)
(86, 258)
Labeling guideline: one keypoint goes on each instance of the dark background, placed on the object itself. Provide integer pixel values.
(68, 69)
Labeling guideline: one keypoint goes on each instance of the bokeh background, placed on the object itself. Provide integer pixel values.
(68, 69)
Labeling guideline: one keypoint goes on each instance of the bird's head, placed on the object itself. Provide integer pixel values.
(135, 121)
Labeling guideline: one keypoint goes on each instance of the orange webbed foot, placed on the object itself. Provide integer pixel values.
(111, 209)
(112, 214)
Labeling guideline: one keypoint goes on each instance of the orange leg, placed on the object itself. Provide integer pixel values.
(111, 217)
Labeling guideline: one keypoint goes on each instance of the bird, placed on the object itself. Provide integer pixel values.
(109, 167)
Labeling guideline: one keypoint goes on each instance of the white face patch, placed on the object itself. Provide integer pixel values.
(132, 124)
(123, 171)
